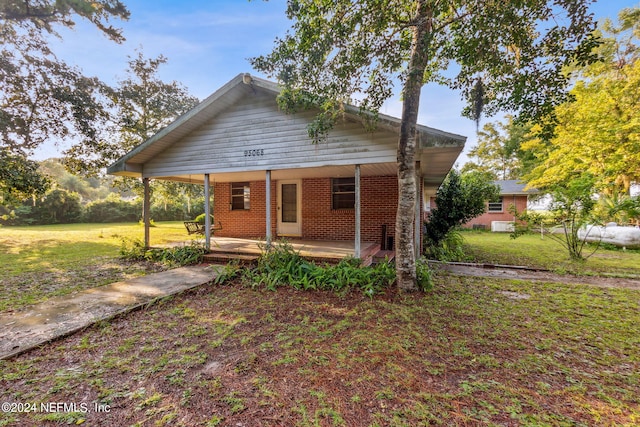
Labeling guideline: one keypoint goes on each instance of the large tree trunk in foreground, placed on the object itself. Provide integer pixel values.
(405, 216)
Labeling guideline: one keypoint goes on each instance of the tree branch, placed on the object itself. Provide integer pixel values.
(17, 15)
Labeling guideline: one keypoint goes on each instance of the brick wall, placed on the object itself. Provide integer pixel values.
(379, 198)
(519, 201)
(243, 223)
(378, 201)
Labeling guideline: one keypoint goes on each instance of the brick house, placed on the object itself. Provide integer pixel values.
(267, 179)
(498, 216)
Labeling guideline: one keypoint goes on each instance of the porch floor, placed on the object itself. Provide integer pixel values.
(226, 248)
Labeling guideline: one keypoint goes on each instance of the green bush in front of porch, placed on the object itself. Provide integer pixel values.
(281, 265)
(135, 250)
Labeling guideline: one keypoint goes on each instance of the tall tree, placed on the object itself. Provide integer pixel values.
(143, 104)
(570, 210)
(498, 151)
(507, 55)
(599, 132)
(41, 97)
(19, 178)
(44, 15)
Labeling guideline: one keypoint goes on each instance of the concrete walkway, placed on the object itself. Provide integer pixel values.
(60, 316)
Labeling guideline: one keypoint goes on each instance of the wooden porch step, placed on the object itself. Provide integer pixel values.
(381, 255)
(224, 258)
(371, 254)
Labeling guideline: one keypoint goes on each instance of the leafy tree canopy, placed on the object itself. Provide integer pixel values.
(142, 105)
(599, 132)
(19, 178)
(42, 15)
(501, 55)
(41, 97)
(498, 151)
(506, 55)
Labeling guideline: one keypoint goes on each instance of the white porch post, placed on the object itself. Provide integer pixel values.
(418, 219)
(146, 214)
(207, 211)
(357, 251)
(268, 207)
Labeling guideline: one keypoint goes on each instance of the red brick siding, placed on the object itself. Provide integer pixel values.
(519, 201)
(379, 198)
(249, 223)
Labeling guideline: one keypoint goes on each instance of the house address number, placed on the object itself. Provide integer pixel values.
(258, 152)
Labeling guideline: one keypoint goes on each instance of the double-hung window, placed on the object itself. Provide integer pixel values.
(240, 196)
(343, 193)
(496, 206)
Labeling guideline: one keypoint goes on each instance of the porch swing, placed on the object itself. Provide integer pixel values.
(194, 227)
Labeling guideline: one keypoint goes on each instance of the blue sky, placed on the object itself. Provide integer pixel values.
(207, 43)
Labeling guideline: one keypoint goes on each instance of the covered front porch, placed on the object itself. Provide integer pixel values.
(264, 178)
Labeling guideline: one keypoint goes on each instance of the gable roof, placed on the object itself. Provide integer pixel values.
(443, 147)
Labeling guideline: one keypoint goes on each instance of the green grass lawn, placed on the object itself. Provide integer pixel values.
(38, 262)
(58, 247)
(534, 251)
(473, 351)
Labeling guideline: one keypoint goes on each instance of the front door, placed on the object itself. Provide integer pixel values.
(289, 208)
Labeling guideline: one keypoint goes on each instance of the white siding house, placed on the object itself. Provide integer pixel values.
(238, 134)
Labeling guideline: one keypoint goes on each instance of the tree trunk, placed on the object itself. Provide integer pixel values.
(405, 217)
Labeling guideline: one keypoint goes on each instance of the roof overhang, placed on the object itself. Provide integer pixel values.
(437, 150)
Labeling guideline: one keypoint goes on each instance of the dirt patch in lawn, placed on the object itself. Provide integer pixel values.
(472, 352)
(22, 290)
(536, 275)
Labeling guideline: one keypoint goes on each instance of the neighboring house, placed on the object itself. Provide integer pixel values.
(498, 216)
(268, 179)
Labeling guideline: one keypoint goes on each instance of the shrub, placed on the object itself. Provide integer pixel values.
(134, 250)
(425, 275)
(182, 255)
(282, 266)
(200, 218)
(459, 199)
(58, 207)
(230, 271)
(18, 215)
(450, 248)
(172, 211)
(113, 210)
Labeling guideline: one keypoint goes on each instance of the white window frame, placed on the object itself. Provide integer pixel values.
(246, 196)
(495, 207)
